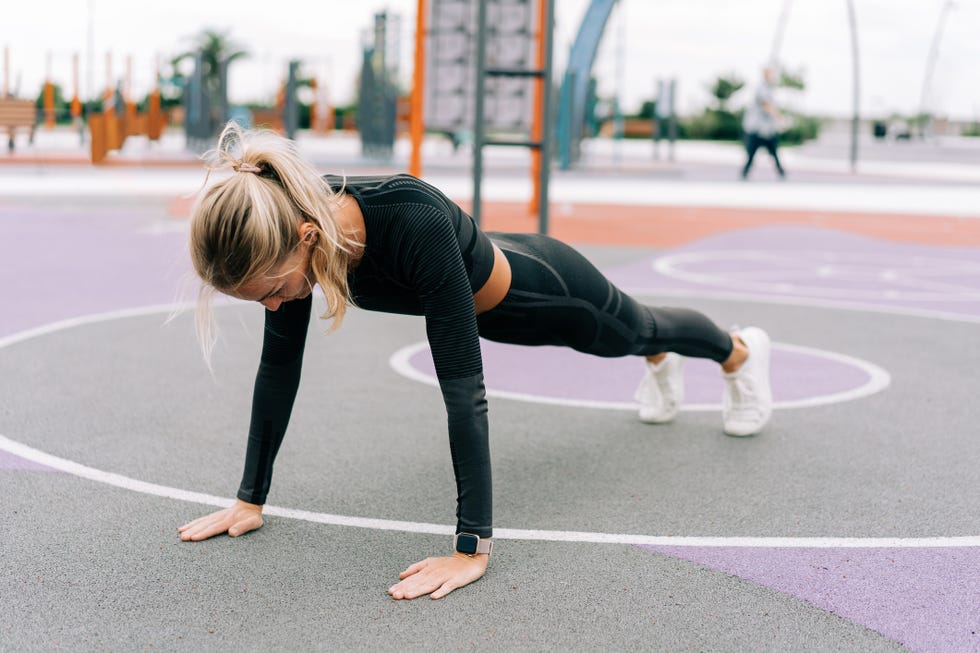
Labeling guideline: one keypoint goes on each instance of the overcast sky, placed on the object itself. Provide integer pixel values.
(692, 40)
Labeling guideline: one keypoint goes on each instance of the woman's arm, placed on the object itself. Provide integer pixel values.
(436, 269)
(276, 383)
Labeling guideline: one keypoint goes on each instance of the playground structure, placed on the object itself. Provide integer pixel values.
(499, 91)
(575, 87)
(379, 96)
(505, 83)
(120, 119)
(384, 112)
(22, 114)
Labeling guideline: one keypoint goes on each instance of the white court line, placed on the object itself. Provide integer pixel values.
(795, 300)
(878, 380)
(802, 261)
(124, 482)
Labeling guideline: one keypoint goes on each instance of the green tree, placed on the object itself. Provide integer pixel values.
(789, 79)
(61, 105)
(718, 122)
(724, 88)
(647, 110)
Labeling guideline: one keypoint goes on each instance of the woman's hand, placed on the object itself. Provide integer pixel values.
(236, 520)
(439, 576)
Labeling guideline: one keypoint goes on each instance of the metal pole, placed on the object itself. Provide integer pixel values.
(537, 113)
(672, 119)
(931, 64)
(416, 115)
(777, 42)
(478, 131)
(565, 121)
(546, 118)
(290, 111)
(857, 85)
(90, 54)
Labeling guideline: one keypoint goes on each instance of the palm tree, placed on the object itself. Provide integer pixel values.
(217, 51)
(724, 88)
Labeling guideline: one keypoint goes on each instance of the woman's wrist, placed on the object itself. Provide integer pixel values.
(483, 558)
(245, 504)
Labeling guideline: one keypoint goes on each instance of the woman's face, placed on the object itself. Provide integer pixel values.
(285, 282)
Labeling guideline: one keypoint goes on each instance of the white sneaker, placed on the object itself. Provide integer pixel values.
(661, 391)
(747, 401)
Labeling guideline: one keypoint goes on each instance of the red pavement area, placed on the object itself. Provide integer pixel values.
(672, 226)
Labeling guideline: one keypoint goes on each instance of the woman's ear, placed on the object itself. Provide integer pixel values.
(307, 233)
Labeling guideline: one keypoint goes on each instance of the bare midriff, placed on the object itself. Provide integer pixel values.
(496, 287)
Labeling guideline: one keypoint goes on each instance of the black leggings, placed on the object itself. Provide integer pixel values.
(752, 144)
(557, 297)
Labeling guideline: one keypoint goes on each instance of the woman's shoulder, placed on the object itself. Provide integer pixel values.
(372, 183)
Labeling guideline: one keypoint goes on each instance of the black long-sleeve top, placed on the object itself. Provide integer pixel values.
(423, 256)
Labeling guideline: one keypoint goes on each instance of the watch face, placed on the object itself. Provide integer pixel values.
(467, 543)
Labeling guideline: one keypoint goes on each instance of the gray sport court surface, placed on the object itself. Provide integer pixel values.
(93, 410)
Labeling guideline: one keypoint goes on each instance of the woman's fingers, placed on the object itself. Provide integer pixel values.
(237, 520)
(250, 523)
(438, 576)
(440, 592)
(414, 569)
(415, 586)
(194, 524)
(208, 528)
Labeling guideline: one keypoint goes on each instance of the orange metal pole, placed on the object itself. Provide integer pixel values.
(48, 93)
(154, 117)
(96, 123)
(131, 121)
(128, 86)
(48, 104)
(537, 119)
(108, 101)
(416, 108)
(314, 117)
(76, 104)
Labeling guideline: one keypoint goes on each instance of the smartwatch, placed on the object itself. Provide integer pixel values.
(470, 544)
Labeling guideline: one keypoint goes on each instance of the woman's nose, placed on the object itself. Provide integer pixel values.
(272, 303)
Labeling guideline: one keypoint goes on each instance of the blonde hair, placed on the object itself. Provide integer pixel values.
(246, 224)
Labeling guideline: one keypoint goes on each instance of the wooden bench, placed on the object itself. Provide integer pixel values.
(17, 114)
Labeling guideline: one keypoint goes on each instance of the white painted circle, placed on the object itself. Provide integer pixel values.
(135, 485)
(878, 380)
(810, 273)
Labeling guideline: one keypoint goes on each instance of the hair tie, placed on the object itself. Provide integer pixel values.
(247, 167)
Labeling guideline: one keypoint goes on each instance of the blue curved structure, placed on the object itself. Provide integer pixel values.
(574, 92)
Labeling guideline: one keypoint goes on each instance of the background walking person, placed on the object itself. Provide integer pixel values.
(761, 123)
